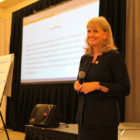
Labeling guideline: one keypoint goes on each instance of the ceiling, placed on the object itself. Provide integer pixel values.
(9, 3)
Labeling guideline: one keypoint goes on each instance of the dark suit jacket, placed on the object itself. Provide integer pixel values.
(99, 109)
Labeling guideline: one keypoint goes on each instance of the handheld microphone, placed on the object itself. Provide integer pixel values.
(82, 76)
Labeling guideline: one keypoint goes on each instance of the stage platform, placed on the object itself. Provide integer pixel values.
(63, 132)
(126, 131)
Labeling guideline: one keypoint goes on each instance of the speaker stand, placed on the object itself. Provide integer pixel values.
(4, 126)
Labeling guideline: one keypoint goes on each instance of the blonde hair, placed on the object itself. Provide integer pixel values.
(108, 43)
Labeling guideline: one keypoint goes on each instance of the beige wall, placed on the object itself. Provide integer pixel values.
(1, 12)
(5, 31)
(133, 59)
(7, 11)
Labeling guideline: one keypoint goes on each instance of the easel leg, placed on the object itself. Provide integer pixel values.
(4, 126)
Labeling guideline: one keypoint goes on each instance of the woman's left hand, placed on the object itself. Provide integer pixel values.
(89, 87)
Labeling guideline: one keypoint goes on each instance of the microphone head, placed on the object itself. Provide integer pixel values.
(82, 75)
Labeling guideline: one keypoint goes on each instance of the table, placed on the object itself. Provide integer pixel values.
(63, 132)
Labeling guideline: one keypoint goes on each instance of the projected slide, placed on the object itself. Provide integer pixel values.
(52, 46)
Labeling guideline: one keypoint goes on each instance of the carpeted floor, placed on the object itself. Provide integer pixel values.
(13, 135)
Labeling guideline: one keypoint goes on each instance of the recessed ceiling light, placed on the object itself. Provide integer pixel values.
(1, 0)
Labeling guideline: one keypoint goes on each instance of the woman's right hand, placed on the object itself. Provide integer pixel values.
(77, 86)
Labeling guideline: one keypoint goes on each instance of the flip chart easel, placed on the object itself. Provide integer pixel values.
(6, 73)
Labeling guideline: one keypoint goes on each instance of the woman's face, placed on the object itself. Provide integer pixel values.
(95, 36)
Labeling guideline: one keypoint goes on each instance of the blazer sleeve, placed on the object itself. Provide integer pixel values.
(120, 86)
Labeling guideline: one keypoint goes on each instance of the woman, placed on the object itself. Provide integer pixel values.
(106, 80)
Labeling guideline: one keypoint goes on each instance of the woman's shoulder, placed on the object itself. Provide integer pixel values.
(114, 57)
(113, 53)
(85, 57)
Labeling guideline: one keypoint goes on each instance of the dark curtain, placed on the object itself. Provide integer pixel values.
(115, 13)
(25, 97)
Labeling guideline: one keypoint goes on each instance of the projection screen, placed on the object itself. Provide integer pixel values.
(54, 41)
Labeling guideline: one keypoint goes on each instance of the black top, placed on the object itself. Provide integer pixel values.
(98, 108)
